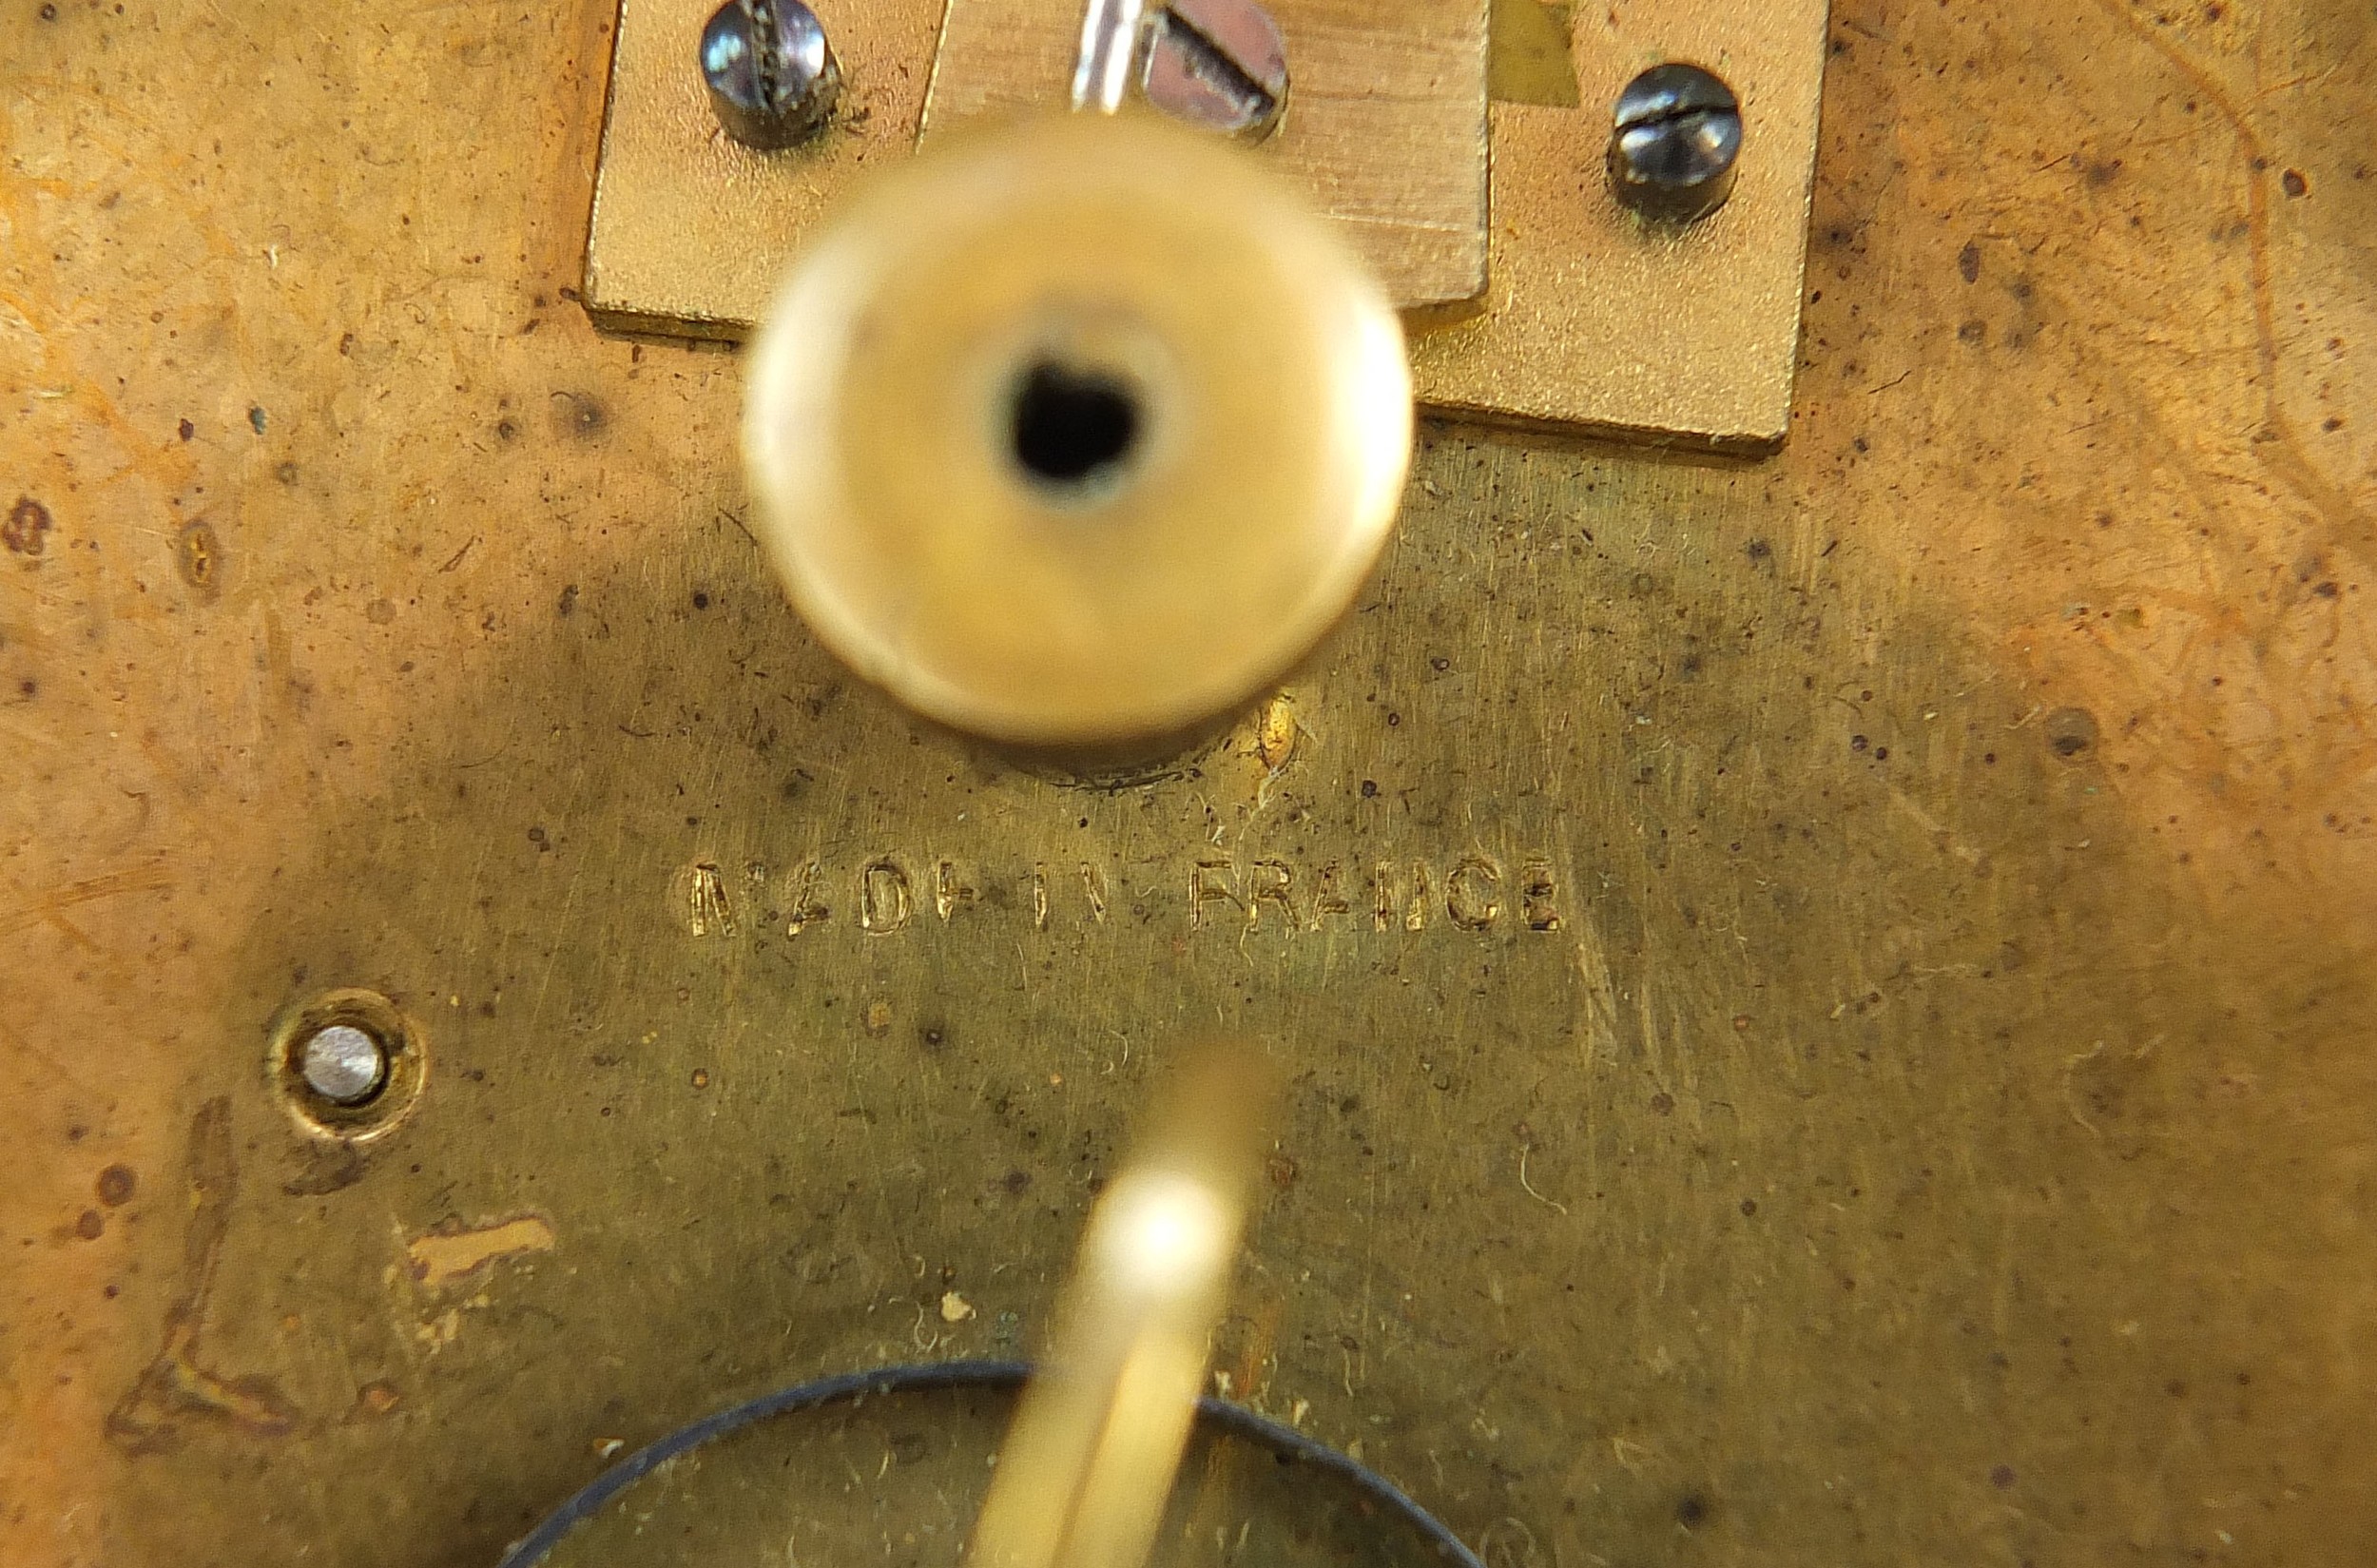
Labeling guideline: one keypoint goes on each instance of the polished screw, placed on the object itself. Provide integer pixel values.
(1677, 139)
(343, 1064)
(772, 77)
(1219, 64)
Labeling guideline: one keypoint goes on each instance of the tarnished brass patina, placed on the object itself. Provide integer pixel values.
(1858, 1052)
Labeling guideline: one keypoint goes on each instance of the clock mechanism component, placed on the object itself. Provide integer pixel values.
(1677, 140)
(1077, 434)
(348, 1064)
(1536, 290)
(778, 1468)
(1219, 64)
(772, 76)
(1085, 1471)
(1089, 1473)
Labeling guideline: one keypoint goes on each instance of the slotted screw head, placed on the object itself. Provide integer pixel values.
(1677, 139)
(1218, 63)
(772, 76)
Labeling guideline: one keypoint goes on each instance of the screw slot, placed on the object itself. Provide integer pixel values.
(348, 1064)
(771, 73)
(1675, 143)
(1218, 63)
(1075, 429)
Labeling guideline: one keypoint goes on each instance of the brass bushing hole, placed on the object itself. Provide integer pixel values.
(349, 1064)
(1075, 427)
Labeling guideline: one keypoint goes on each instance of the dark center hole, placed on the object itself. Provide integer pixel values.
(1072, 425)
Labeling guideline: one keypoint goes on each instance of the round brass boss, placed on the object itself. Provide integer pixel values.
(1080, 431)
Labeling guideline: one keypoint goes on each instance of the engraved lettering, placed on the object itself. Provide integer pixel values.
(1329, 896)
(1537, 891)
(1474, 892)
(801, 909)
(1208, 881)
(949, 890)
(1267, 883)
(885, 901)
(706, 911)
(1422, 894)
(1471, 892)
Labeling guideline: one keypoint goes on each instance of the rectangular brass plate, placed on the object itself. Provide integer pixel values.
(1386, 125)
(1594, 318)
(1589, 320)
(692, 229)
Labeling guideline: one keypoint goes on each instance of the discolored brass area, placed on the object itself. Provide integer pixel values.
(1862, 1057)
(1596, 319)
(1076, 433)
(1384, 128)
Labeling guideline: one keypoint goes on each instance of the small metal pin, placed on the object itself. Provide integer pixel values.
(1110, 30)
(1677, 138)
(771, 73)
(1221, 65)
(343, 1064)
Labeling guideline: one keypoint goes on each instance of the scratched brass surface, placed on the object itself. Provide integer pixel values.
(1936, 1128)
(1385, 126)
(914, 1468)
(1594, 320)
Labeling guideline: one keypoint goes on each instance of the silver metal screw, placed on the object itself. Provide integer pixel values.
(1677, 138)
(772, 77)
(1219, 64)
(343, 1064)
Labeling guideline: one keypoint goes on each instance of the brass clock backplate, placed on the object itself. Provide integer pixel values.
(1862, 1056)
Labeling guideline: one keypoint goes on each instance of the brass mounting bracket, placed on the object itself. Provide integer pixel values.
(1534, 298)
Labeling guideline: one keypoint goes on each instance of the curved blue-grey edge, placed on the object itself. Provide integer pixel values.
(1286, 1442)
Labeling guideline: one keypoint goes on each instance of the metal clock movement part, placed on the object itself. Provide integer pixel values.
(770, 71)
(1077, 433)
(1677, 138)
(1567, 309)
(1824, 1004)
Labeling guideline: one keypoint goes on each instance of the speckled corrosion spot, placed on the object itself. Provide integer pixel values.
(27, 521)
(198, 555)
(116, 1186)
(2071, 733)
(581, 416)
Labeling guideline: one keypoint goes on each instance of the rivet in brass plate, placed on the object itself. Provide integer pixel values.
(349, 1064)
